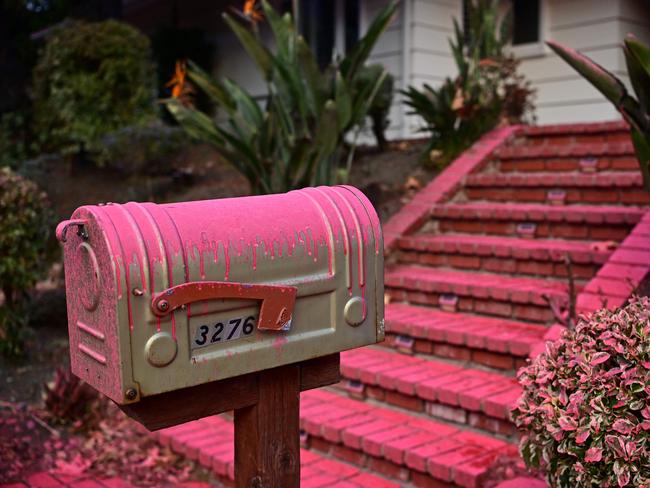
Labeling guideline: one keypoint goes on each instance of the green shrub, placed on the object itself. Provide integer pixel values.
(636, 111)
(296, 138)
(92, 79)
(487, 91)
(148, 149)
(24, 230)
(380, 106)
(585, 408)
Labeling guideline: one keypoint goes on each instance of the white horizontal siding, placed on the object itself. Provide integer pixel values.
(596, 28)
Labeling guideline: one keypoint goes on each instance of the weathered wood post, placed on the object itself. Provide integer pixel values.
(181, 311)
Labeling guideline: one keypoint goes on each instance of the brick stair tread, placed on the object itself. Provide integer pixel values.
(210, 441)
(473, 331)
(453, 385)
(585, 128)
(479, 285)
(444, 452)
(566, 150)
(608, 179)
(581, 252)
(574, 214)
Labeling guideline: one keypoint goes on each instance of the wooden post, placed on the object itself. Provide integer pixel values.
(267, 434)
(267, 416)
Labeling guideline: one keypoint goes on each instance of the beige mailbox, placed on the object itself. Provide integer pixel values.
(164, 297)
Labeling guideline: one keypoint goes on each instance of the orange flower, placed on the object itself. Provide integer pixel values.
(178, 80)
(251, 11)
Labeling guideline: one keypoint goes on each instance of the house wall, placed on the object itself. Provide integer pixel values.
(415, 50)
(596, 28)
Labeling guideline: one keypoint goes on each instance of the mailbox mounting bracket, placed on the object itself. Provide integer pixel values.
(277, 300)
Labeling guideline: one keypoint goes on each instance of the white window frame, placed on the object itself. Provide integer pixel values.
(539, 48)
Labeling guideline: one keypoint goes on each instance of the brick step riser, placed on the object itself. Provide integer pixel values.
(508, 266)
(539, 314)
(471, 356)
(591, 196)
(563, 230)
(460, 417)
(535, 165)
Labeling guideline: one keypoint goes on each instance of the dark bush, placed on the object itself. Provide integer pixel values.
(143, 150)
(92, 79)
(24, 230)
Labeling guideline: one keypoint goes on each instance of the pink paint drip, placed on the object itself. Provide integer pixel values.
(227, 260)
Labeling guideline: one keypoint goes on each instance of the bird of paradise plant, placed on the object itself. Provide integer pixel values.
(636, 111)
(180, 89)
(252, 12)
(296, 137)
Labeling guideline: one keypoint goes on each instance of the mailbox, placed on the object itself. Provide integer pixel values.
(163, 297)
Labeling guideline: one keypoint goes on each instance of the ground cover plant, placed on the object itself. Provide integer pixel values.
(488, 89)
(585, 409)
(297, 137)
(636, 111)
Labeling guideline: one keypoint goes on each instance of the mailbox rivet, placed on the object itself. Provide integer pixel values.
(355, 311)
(163, 305)
(131, 394)
(137, 292)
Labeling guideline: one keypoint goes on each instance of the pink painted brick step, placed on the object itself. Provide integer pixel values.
(566, 150)
(404, 443)
(432, 381)
(210, 442)
(473, 331)
(483, 286)
(619, 179)
(581, 252)
(623, 187)
(573, 214)
(614, 126)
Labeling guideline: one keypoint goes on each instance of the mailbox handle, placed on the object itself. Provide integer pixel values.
(277, 300)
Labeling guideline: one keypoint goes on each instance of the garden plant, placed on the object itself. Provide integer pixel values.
(585, 409)
(24, 230)
(636, 111)
(92, 78)
(487, 91)
(296, 138)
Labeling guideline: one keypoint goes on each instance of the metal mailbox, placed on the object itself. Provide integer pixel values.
(163, 297)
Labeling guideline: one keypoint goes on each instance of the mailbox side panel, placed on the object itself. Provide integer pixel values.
(93, 287)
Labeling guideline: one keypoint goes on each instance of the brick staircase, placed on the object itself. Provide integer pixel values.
(476, 280)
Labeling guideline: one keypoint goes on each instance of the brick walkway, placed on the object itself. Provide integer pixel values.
(55, 480)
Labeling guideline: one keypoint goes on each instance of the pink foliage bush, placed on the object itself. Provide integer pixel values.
(585, 410)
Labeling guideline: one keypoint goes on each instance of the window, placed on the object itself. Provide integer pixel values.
(526, 27)
(525, 22)
(329, 26)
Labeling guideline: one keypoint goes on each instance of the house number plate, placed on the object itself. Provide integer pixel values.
(208, 334)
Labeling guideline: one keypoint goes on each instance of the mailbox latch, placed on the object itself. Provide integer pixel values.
(278, 301)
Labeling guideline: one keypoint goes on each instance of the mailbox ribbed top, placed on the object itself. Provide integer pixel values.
(272, 238)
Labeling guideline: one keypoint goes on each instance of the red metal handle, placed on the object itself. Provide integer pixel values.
(277, 300)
